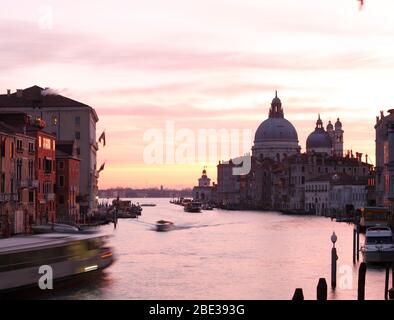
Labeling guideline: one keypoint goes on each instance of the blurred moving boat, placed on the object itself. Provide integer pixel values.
(206, 206)
(379, 245)
(59, 228)
(69, 255)
(163, 225)
(148, 205)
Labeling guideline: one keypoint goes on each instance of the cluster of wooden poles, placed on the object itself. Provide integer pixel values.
(321, 293)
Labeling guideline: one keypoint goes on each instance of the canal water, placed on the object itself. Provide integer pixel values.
(225, 255)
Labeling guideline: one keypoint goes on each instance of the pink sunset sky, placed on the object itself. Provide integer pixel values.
(203, 64)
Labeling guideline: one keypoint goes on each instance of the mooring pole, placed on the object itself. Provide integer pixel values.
(354, 245)
(334, 259)
(298, 294)
(361, 281)
(386, 282)
(358, 241)
(322, 289)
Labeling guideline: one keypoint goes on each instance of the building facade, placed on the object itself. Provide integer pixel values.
(17, 181)
(67, 119)
(204, 192)
(67, 177)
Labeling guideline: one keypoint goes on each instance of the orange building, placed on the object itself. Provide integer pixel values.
(67, 186)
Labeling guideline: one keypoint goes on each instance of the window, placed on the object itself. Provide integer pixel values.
(31, 196)
(19, 145)
(2, 186)
(77, 121)
(54, 120)
(39, 163)
(31, 147)
(12, 185)
(12, 150)
(46, 143)
(78, 151)
(61, 199)
(47, 165)
(61, 165)
(77, 135)
(19, 169)
(61, 181)
(3, 142)
(31, 170)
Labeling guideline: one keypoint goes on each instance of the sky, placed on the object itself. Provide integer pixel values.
(147, 66)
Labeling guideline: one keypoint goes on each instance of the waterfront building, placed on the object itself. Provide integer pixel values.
(67, 119)
(44, 164)
(279, 171)
(384, 148)
(67, 186)
(17, 181)
(336, 193)
(45, 172)
(204, 191)
(275, 138)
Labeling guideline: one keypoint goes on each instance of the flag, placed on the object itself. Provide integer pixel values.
(101, 168)
(102, 137)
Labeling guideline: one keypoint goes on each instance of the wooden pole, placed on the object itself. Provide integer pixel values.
(322, 289)
(358, 242)
(386, 282)
(361, 281)
(354, 245)
(334, 258)
(298, 294)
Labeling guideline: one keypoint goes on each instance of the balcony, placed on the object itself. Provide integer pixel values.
(33, 183)
(22, 183)
(5, 197)
(49, 196)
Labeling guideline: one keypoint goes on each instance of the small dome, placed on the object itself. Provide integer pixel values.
(338, 124)
(278, 129)
(318, 139)
(330, 126)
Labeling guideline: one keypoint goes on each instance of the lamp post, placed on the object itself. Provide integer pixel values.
(334, 259)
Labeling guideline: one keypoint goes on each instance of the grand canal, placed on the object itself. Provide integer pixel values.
(223, 255)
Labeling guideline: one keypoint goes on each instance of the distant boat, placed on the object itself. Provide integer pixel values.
(379, 245)
(148, 205)
(192, 206)
(206, 206)
(374, 216)
(163, 225)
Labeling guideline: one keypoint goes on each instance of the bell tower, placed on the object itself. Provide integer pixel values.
(338, 139)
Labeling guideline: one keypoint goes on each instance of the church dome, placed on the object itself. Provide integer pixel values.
(330, 126)
(276, 137)
(276, 129)
(319, 139)
(338, 124)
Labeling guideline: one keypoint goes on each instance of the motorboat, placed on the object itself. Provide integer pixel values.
(163, 225)
(374, 216)
(148, 205)
(59, 228)
(68, 255)
(206, 206)
(379, 245)
(192, 206)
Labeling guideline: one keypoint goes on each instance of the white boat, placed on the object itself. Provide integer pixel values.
(379, 245)
(56, 228)
(163, 225)
(68, 254)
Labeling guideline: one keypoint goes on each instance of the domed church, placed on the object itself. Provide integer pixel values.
(276, 137)
(328, 142)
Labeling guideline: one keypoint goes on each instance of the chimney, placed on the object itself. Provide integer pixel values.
(19, 93)
(8, 92)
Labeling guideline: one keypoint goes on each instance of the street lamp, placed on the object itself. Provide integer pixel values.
(334, 238)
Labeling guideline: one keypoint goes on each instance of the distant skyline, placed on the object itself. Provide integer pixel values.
(206, 64)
